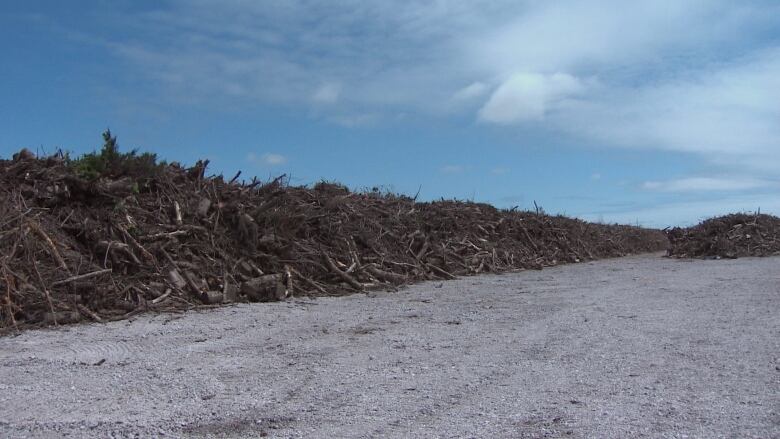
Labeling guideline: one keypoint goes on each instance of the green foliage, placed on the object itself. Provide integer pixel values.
(110, 162)
(331, 187)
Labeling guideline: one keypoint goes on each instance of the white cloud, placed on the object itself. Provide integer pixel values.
(690, 212)
(353, 120)
(472, 91)
(697, 184)
(696, 76)
(587, 34)
(394, 56)
(268, 159)
(452, 169)
(499, 171)
(663, 77)
(528, 96)
(327, 93)
(728, 115)
(413, 54)
(595, 176)
(274, 159)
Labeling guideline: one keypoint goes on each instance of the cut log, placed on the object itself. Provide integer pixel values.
(89, 313)
(176, 279)
(203, 207)
(212, 297)
(61, 317)
(229, 293)
(163, 296)
(189, 277)
(386, 276)
(265, 288)
(345, 276)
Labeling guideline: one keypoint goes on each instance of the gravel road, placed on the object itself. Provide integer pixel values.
(632, 347)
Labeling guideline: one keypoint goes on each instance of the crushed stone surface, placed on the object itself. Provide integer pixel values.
(633, 347)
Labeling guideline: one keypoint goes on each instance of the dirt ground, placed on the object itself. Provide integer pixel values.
(631, 347)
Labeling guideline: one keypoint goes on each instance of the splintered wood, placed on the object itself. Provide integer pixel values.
(729, 236)
(115, 246)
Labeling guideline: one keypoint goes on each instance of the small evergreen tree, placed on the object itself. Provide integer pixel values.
(114, 164)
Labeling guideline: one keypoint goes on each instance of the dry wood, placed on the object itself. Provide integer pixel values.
(164, 296)
(35, 227)
(145, 253)
(89, 313)
(61, 317)
(728, 236)
(247, 230)
(46, 294)
(308, 281)
(212, 297)
(82, 277)
(203, 207)
(385, 275)
(10, 309)
(347, 278)
(423, 250)
(265, 288)
(446, 274)
(117, 247)
(176, 279)
(190, 279)
(168, 235)
(177, 213)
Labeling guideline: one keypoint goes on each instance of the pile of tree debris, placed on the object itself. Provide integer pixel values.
(82, 240)
(730, 236)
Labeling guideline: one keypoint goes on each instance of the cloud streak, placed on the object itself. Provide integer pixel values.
(327, 94)
(728, 114)
(696, 77)
(690, 212)
(267, 159)
(452, 169)
(699, 184)
(528, 97)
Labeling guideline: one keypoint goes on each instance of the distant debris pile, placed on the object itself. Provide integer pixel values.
(729, 236)
(110, 235)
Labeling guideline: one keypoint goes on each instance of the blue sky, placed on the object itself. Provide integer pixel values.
(650, 112)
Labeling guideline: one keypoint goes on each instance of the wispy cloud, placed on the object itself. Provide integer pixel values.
(470, 92)
(268, 159)
(689, 212)
(697, 77)
(327, 93)
(392, 55)
(452, 169)
(409, 52)
(727, 113)
(512, 199)
(528, 96)
(578, 36)
(698, 184)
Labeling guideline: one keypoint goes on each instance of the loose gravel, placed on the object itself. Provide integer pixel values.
(631, 347)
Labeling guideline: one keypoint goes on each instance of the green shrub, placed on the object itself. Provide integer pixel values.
(109, 162)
